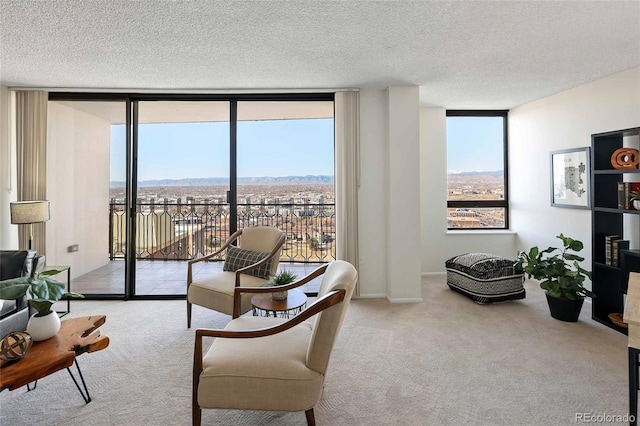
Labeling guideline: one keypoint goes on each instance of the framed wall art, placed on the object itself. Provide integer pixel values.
(570, 178)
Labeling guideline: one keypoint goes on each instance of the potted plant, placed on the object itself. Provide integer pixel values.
(560, 275)
(42, 292)
(283, 277)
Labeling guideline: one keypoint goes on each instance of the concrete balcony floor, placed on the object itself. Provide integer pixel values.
(159, 277)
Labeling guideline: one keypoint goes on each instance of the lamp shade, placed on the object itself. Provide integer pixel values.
(29, 212)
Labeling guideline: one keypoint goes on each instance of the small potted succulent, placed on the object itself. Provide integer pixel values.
(560, 275)
(42, 292)
(283, 277)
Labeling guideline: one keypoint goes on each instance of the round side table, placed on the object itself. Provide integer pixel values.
(264, 305)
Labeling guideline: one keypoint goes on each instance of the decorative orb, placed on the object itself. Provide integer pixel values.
(14, 346)
(625, 158)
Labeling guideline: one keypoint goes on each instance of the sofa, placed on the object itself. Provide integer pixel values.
(14, 314)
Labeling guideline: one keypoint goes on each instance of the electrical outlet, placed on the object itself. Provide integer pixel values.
(72, 248)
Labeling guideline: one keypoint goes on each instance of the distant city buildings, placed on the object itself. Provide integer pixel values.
(472, 187)
(186, 222)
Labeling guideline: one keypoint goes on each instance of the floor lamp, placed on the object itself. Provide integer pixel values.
(28, 213)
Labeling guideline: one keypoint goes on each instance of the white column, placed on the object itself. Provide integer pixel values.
(403, 231)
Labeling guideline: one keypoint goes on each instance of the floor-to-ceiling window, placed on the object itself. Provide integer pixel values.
(184, 172)
(285, 174)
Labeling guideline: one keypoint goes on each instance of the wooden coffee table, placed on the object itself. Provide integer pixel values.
(293, 304)
(76, 336)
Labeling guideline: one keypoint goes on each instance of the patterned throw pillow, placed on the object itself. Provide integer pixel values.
(238, 258)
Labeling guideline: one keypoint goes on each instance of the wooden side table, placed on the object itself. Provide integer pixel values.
(295, 302)
(76, 336)
(632, 317)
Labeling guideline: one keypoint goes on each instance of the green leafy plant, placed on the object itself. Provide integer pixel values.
(558, 270)
(634, 195)
(41, 290)
(284, 277)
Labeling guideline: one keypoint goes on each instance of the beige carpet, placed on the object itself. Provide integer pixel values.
(447, 361)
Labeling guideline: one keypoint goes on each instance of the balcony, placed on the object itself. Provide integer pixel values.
(185, 231)
(170, 233)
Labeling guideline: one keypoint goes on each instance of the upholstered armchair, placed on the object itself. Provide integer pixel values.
(249, 264)
(263, 363)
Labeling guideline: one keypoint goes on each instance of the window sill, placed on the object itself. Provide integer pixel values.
(481, 232)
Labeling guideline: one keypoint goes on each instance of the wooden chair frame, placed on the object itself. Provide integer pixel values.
(230, 240)
(330, 299)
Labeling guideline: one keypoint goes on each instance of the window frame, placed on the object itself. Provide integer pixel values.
(504, 203)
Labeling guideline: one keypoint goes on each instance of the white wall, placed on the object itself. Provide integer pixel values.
(433, 184)
(562, 121)
(8, 182)
(78, 188)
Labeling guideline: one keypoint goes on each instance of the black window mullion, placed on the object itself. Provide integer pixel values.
(233, 167)
(132, 187)
(476, 204)
(505, 139)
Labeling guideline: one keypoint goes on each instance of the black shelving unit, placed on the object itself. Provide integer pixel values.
(610, 282)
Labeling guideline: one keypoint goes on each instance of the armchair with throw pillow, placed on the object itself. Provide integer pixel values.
(250, 264)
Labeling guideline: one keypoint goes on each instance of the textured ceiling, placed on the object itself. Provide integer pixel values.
(461, 54)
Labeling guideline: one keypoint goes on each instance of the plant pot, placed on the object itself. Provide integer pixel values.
(43, 328)
(635, 204)
(564, 309)
(279, 295)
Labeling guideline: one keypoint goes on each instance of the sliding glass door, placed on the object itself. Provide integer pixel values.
(182, 171)
(285, 174)
(178, 174)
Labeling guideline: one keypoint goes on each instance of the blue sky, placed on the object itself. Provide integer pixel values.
(280, 148)
(198, 150)
(474, 144)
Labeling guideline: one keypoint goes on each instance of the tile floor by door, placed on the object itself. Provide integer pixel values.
(159, 277)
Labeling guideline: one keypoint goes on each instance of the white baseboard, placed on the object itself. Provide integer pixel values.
(433, 274)
(370, 296)
(405, 300)
(391, 300)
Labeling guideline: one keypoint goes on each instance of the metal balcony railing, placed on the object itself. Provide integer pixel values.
(183, 231)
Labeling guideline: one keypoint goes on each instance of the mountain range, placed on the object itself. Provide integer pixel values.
(476, 173)
(265, 180)
(211, 181)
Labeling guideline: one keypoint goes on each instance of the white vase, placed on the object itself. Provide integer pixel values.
(636, 204)
(43, 328)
